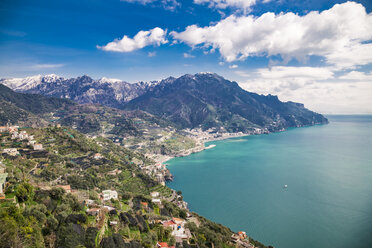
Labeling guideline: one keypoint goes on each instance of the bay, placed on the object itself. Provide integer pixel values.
(328, 170)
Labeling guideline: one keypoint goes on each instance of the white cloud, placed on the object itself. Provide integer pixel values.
(46, 66)
(223, 4)
(156, 37)
(357, 75)
(283, 72)
(318, 88)
(338, 34)
(233, 66)
(188, 55)
(151, 54)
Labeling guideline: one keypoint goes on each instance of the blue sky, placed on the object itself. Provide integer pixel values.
(238, 40)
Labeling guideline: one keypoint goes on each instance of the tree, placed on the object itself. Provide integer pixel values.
(24, 192)
(8, 232)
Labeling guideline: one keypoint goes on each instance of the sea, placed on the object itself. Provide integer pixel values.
(327, 203)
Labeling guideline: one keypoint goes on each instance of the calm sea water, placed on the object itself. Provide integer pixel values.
(328, 170)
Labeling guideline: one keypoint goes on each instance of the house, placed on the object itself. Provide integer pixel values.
(155, 194)
(162, 245)
(2, 167)
(114, 172)
(89, 202)
(109, 208)
(11, 151)
(169, 223)
(23, 135)
(98, 156)
(38, 147)
(242, 235)
(14, 135)
(3, 128)
(113, 223)
(178, 221)
(12, 129)
(93, 211)
(145, 205)
(235, 238)
(156, 201)
(109, 194)
(2, 182)
(67, 188)
(179, 231)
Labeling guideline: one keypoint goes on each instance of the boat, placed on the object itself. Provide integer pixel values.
(285, 186)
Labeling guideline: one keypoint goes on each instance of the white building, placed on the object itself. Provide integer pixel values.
(2, 167)
(109, 194)
(156, 201)
(155, 194)
(2, 182)
(38, 147)
(11, 151)
(23, 135)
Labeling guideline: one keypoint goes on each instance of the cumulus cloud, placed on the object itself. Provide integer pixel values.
(156, 37)
(340, 35)
(317, 87)
(233, 66)
(223, 4)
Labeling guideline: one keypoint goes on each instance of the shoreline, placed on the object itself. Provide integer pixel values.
(200, 149)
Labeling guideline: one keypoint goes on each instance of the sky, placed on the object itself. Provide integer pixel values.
(317, 52)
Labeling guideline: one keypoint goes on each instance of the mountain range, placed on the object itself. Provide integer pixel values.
(84, 89)
(203, 100)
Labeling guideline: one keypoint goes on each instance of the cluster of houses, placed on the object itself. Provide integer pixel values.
(179, 231)
(106, 195)
(216, 134)
(155, 197)
(159, 171)
(241, 240)
(22, 136)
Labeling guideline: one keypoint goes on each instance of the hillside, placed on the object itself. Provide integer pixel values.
(17, 107)
(207, 100)
(134, 129)
(55, 197)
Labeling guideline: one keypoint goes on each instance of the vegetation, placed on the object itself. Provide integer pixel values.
(37, 212)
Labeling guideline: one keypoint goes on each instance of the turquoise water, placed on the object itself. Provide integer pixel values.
(328, 170)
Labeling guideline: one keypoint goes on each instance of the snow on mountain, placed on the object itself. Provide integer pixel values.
(109, 80)
(107, 91)
(27, 83)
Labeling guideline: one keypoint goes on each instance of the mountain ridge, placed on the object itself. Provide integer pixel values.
(208, 100)
(203, 100)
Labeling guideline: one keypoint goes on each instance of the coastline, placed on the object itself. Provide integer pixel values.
(201, 147)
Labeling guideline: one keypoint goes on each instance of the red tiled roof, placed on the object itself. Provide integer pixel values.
(169, 223)
(162, 244)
